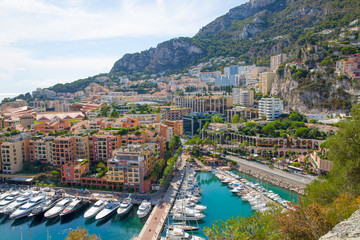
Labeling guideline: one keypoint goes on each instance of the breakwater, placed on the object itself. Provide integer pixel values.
(272, 178)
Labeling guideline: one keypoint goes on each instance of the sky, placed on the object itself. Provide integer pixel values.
(44, 42)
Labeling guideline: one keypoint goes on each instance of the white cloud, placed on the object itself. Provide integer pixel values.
(25, 66)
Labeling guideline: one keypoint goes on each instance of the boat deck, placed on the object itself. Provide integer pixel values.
(267, 199)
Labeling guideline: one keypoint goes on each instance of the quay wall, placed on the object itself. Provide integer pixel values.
(272, 178)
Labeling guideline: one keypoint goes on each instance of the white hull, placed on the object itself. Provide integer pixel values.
(122, 211)
(94, 210)
(104, 214)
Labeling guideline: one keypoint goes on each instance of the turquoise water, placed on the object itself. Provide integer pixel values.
(222, 204)
(123, 228)
(283, 193)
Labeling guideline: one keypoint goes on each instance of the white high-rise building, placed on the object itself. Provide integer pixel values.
(243, 96)
(272, 108)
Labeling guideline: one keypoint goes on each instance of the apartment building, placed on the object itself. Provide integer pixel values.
(242, 112)
(40, 150)
(131, 167)
(350, 67)
(267, 80)
(101, 147)
(63, 151)
(271, 108)
(130, 123)
(232, 80)
(148, 118)
(177, 126)
(277, 60)
(13, 154)
(82, 149)
(53, 125)
(176, 113)
(242, 96)
(205, 104)
(72, 173)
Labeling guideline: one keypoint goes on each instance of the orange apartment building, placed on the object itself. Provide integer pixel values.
(177, 126)
(71, 173)
(63, 151)
(47, 127)
(101, 147)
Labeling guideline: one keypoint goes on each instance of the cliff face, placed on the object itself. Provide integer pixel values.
(316, 93)
(173, 54)
(241, 12)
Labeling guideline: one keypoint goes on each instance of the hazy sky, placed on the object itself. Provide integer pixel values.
(43, 42)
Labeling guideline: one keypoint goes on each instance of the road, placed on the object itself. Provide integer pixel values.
(299, 179)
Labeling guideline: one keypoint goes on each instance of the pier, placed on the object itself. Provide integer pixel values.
(156, 221)
(267, 199)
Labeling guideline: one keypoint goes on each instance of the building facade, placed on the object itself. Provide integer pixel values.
(267, 80)
(244, 97)
(277, 60)
(271, 108)
(205, 104)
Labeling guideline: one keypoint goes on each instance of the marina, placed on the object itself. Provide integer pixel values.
(191, 203)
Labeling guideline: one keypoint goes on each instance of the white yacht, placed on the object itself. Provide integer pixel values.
(44, 206)
(144, 209)
(188, 217)
(17, 203)
(95, 209)
(125, 207)
(58, 208)
(179, 233)
(74, 205)
(6, 201)
(109, 209)
(25, 209)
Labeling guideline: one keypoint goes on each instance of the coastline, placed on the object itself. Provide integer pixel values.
(272, 178)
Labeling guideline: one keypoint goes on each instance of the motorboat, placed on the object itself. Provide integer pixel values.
(6, 201)
(185, 217)
(183, 226)
(125, 207)
(44, 206)
(25, 209)
(74, 206)
(179, 233)
(144, 209)
(109, 209)
(95, 209)
(17, 203)
(58, 208)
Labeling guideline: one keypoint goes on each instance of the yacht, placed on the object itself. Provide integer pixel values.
(95, 209)
(179, 233)
(25, 209)
(58, 208)
(17, 203)
(109, 209)
(44, 206)
(6, 201)
(125, 207)
(185, 217)
(74, 206)
(144, 209)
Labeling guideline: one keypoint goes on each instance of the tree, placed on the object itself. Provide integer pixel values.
(348, 50)
(114, 114)
(343, 151)
(81, 234)
(302, 132)
(175, 142)
(269, 129)
(235, 119)
(217, 119)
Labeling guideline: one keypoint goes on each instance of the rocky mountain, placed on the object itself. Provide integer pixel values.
(173, 54)
(251, 32)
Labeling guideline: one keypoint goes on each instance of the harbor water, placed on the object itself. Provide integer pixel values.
(122, 228)
(221, 205)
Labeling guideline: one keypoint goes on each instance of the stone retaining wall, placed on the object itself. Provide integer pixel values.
(273, 179)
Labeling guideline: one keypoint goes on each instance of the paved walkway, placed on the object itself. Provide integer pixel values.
(155, 223)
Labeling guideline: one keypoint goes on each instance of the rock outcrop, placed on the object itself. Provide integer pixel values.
(240, 13)
(173, 54)
(346, 230)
